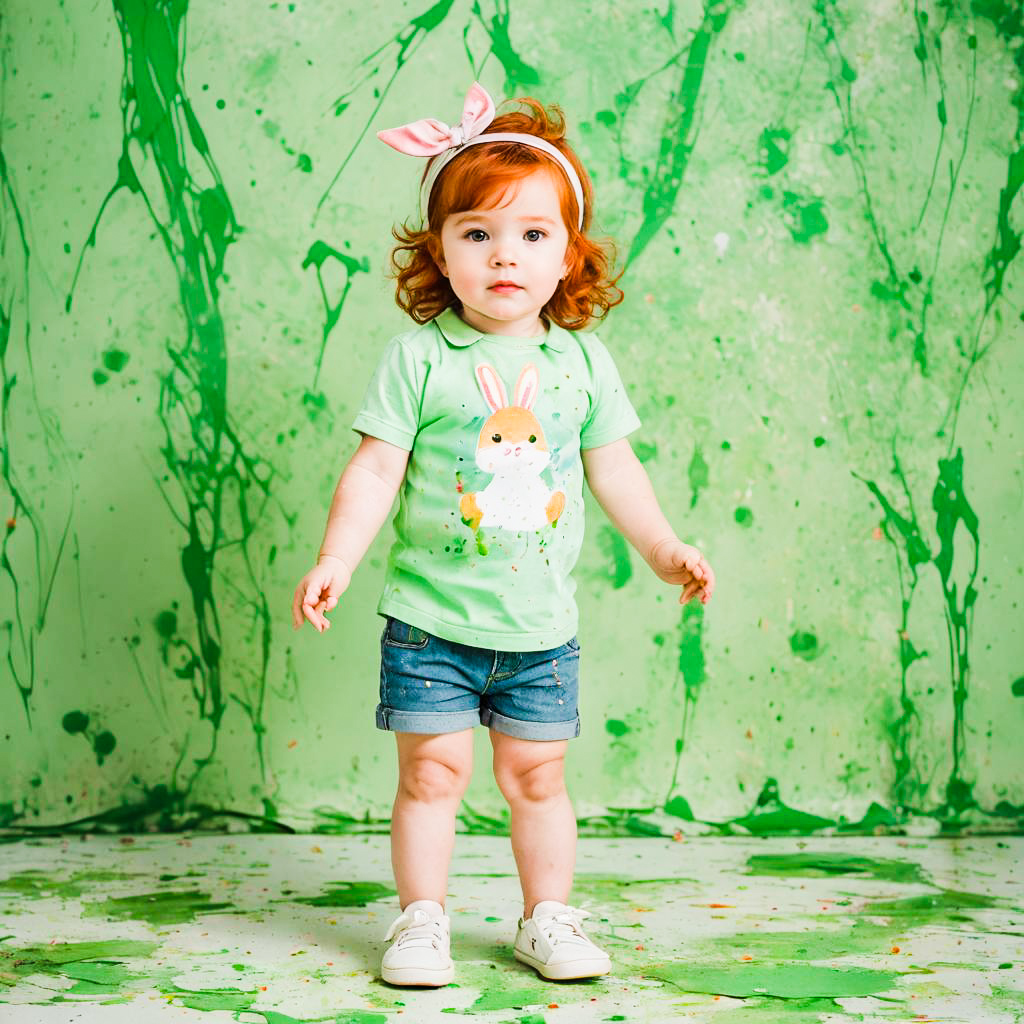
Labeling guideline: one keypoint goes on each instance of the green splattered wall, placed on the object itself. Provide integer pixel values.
(818, 209)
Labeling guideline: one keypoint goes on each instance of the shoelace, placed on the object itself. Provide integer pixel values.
(565, 926)
(417, 929)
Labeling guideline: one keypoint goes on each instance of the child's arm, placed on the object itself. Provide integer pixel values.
(361, 503)
(623, 489)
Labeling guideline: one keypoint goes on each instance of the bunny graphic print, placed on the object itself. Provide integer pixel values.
(490, 512)
(513, 450)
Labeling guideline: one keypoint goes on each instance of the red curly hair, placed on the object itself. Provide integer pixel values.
(481, 176)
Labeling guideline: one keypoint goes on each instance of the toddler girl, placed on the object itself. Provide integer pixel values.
(485, 420)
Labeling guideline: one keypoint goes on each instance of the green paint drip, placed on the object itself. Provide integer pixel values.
(203, 451)
(319, 253)
(398, 50)
(613, 546)
(698, 474)
(952, 508)
(692, 674)
(25, 620)
(678, 137)
(520, 78)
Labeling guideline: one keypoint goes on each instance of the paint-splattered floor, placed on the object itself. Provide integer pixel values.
(282, 929)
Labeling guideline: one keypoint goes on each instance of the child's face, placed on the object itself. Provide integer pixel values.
(505, 263)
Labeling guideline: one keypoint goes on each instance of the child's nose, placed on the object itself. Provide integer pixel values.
(503, 254)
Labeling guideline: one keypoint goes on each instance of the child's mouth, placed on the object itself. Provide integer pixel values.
(504, 288)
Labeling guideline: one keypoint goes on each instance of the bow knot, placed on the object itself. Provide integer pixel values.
(428, 137)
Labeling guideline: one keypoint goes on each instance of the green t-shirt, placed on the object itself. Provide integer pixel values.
(490, 518)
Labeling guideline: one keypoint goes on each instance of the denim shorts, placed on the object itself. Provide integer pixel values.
(431, 685)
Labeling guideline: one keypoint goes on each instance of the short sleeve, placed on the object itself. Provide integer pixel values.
(391, 406)
(612, 415)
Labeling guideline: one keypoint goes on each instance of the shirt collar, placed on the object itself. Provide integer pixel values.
(460, 334)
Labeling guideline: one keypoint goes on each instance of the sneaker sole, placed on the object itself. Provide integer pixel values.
(565, 972)
(418, 977)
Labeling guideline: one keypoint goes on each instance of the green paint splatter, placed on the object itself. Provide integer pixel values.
(781, 981)
(158, 908)
(804, 645)
(771, 815)
(825, 864)
(804, 217)
(96, 964)
(773, 147)
(75, 722)
(349, 894)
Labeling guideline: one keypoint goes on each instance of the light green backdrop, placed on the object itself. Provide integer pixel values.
(818, 204)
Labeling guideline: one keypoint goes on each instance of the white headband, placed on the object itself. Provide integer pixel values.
(429, 137)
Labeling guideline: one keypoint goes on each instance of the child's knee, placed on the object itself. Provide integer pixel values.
(535, 782)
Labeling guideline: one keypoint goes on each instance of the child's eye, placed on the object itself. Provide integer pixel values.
(476, 235)
(534, 235)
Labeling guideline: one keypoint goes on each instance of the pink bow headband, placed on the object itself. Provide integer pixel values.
(429, 137)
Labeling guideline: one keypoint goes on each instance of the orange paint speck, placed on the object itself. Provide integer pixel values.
(746, 956)
(552, 1006)
(292, 744)
(876, 533)
(895, 949)
(720, 905)
(638, 947)
(677, 836)
(11, 523)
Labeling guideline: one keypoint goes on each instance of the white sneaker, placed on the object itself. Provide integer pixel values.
(420, 954)
(553, 944)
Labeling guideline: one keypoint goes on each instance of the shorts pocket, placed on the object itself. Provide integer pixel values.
(401, 634)
(573, 644)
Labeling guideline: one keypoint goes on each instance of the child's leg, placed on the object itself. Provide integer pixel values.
(433, 773)
(530, 775)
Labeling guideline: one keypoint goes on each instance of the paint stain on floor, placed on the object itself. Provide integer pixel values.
(269, 929)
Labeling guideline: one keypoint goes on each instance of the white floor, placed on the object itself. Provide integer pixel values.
(286, 929)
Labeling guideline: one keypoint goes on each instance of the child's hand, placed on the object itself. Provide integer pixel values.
(319, 590)
(679, 563)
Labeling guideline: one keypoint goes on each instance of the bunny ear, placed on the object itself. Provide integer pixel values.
(528, 386)
(491, 386)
